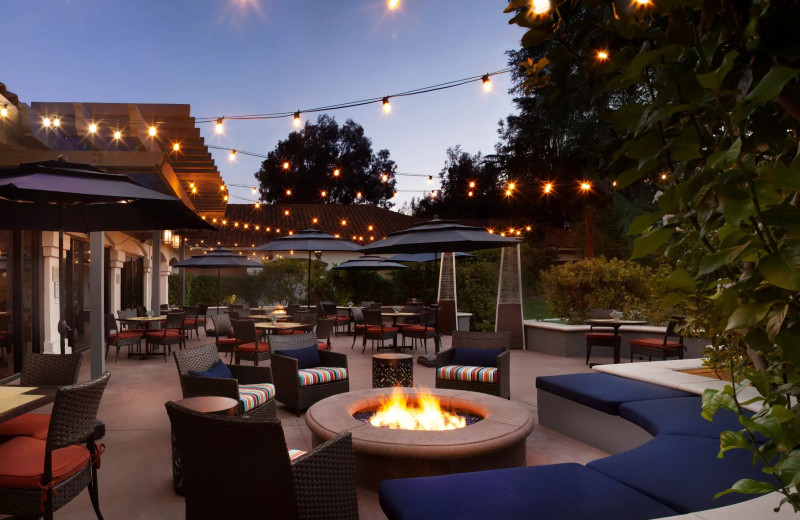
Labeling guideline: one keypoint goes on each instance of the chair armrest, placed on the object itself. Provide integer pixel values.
(504, 363)
(325, 480)
(445, 357)
(284, 372)
(333, 359)
(194, 386)
(251, 375)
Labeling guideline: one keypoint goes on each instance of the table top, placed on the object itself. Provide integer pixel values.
(400, 314)
(209, 404)
(392, 357)
(144, 318)
(268, 316)
(17, 400)
(615, 323)
(280, 325)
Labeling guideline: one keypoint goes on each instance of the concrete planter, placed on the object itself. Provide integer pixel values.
(570, 340)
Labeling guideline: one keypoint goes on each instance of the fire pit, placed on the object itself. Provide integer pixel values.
(495, 441)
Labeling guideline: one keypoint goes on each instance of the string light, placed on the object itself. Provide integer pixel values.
(232, 156)
(225, 198)
(614, 184)
(314, 220)
(286, 213)
(387, 107)
(176, 147)
(324, 193)
(393, 4)
(92, 128)
(344, 222)
(336, 172)
(433, 194)
(258, 205)
(469, 194)
(471, 184)
(296, 119)
(602, 55)
(430, 179)
(663, 176)
(384, 177)
(46, 122)
(369, 228)
(219, 125)
(586, 186)
(286, 165)
(246, 226)
(548, 188)
(152, 131)
(540, 6)
(358, 195)
(56, 122)
(487, 83)
(117, 135)
(4, 110)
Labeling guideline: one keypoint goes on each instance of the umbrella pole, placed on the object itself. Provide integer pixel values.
(62, 303)
(308, 291)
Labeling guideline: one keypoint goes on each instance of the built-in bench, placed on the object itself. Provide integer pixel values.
(665, 464)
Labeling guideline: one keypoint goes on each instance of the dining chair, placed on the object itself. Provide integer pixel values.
(376, 330)
(224, 338)
(661, 347)
(190, 320)
(118, 338)
(324, 331)
(172, 334)
(424, 330)
(248, 347)
(601, 338)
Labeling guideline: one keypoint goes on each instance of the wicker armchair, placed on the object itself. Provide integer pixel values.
(41, 370)
(444, 360)
(124, 338)
(248, 347)
(204, 357)
(288, 389)
(220, 455)
(70, 456)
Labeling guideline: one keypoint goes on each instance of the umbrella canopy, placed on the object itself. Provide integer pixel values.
(218, 260)
(309, 240)
(369, 263)
(438, 236)
(422, 257)
(62, 196)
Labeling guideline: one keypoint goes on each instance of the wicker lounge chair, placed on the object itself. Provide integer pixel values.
(489, 379)
(251, 400)
(220, 455)
(292, 386)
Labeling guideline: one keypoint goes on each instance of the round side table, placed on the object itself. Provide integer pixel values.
(392, 370)
(205, 404)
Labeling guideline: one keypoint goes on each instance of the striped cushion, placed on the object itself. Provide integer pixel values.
(253, 396)
(293, 454)
(314, 376)
(466, 373)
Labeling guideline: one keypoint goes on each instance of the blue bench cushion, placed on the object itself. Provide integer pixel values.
(604, 392)
(682, 472)
(679, 416)
(558, 491)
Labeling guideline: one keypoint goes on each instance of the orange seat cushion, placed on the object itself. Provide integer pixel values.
(161, 334)
(377, 330)
(30, 425)
(323, 346)
(343, 318)
(189, 322)
(600, 335)
(285, 332)
(125, 334)
(251, 347)
(417, 328)
(226, 341)
(654, 343)
(22, 462)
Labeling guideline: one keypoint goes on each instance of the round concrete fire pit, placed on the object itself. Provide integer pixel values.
(497, 441)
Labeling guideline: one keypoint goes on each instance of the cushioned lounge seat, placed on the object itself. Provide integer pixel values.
(253, 396)
(319, 375)
(559, 491)
(680, 416)
(604, 392)
(682, 472)
(467, 373)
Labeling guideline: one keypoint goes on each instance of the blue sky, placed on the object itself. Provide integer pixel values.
(228, 57)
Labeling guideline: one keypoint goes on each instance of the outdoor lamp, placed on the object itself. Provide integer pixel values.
(166, 236)
(176, 241)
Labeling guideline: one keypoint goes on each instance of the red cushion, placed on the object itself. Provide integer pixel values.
(200, 320)
(22, 462)
(226, 341)
(285, 332)
(125, 334)
(189, 322)
(31, 425)
(330, 316)
(343, 318)
(158, 334)
(360, 327)
(654, 343)
(323, 346)
(135, 329)
(376, 329)
(251, 347)
(416, 328)
(600, 335)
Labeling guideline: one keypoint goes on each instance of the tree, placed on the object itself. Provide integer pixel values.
(303, 166)
(704, 99)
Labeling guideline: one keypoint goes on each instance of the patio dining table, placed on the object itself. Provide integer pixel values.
(284, 325)
(395, 315)
(614, 324)
(18, 400)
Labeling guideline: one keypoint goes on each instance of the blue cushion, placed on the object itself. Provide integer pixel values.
(558, 491)
(682, 472)
(220, 369)
(604, 392)
(476, 357)
(306, 357)
(680, 416)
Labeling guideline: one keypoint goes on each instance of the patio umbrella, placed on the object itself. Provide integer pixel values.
(218, 259)
(309, 240)
(423, 257)
(62, 196)
(369, 263)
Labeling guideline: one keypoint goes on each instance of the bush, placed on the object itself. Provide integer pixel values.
(573, 289)
(476, 287)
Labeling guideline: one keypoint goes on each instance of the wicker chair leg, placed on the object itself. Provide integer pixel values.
(94, 495)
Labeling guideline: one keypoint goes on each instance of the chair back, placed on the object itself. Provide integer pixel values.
(292, 309)
(74, 414)
(373, 317)
(600, 314)
(50, 369)
(244, 330)
(673, 329)
(199, 358)
(291, 341)
(221, 454)
(430, 317)
(233, 315)
(141, 311)
(325, 328)
(463, 338)
(307, 318)
(202, 310)
(358, 315)
(110, 324)
(328, 309)
(127, 313)
(164, 307)
(222, 324)
(191, 312)
(175, 320)
(375, 306)
(366, 304)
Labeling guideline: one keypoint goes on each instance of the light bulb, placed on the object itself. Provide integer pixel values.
(511, 186)
(176, 147)
(324, 193)
(487, 83)
(219, 126)
(232, 156)
(469, 194)
(46, 122)
(471, 184)
(152, 131)
(296, 119)
(225, 198)
(358, 195)
(255, 190)
(387, 107)
(585, 186)
(288, 193)
(92, 128)
(117, 135)
(336, 172)
(258, 205)
(344, 222)
(314, 220)
(548, 187)
(56, 122)
(393, 4)
(286, 165)
(384, 177)
(540, 6)
(430, 179)
(602, 55)
(4, 110)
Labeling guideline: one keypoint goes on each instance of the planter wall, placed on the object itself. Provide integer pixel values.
(569, 340)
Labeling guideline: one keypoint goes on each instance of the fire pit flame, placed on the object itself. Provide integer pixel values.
(421, 413)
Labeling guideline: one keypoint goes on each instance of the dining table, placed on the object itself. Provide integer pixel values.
(147, 321)
(395, 315)
(614, 324)
(272, 328)
(18, 400)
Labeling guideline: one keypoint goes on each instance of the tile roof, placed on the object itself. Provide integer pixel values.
(549, 236)
(358, 217)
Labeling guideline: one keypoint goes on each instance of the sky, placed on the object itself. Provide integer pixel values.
(233, 57)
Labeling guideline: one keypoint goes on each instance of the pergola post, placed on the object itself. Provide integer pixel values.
(181, 276)
(448, 306)
(155, 277)
(508, 316)
(96, 318)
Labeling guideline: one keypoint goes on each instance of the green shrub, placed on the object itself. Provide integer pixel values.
(573, 289)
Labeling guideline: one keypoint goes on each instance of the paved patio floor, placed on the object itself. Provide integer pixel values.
(136, 475)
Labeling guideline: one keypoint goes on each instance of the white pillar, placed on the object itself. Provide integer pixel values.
(117, 261)
(147, 291)
(155, 297)
(96, 324)
(51, 311)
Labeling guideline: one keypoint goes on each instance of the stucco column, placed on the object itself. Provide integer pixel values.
(155, 296)
(117, 261)
(96, 322)
(147, 290)
(51, 311)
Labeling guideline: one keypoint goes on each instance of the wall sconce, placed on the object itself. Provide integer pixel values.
(166, 236)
